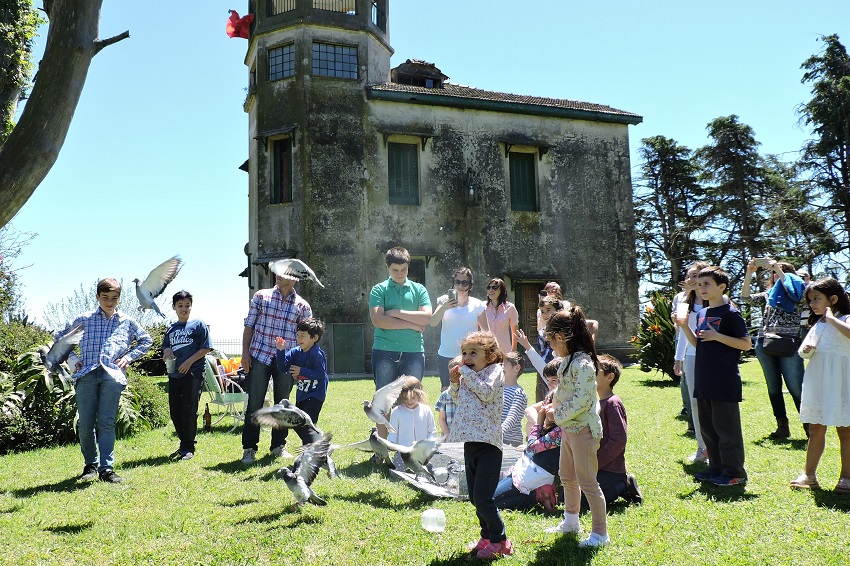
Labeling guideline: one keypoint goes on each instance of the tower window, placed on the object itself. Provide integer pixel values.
(523, 181)
(335, 60)
(281, 186)
(281, 62)
(403, 173)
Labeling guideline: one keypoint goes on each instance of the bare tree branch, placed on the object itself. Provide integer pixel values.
(101, 43)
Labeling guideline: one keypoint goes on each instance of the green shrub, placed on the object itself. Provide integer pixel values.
(150, 401)
(655, 341)
(151, 363)
(17, 337)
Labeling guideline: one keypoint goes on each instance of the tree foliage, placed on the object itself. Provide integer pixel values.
(19, 22)
(827, 155)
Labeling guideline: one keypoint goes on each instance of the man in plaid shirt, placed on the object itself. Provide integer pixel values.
(273, 312)
(111, 341)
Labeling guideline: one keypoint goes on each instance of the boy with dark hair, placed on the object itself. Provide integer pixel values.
(186, 342)
(308, 365)
(111, 341)
(721, 335)
(399, 309)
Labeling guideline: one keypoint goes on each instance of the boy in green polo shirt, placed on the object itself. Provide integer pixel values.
(399, 309)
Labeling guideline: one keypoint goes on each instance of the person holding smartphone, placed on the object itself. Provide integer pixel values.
(461, 315)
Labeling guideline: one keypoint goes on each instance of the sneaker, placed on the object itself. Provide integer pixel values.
(475, 547)
(187, 456)
(547, 497)
(724, 480)
(632, 492)
(248, 456)
(843, 486)
(566, 526)
(698, 457)
(496, 550)
(110, 476)
(175, 455)
(280, 452)
(595, 541)
(706, 475)
(804, 481)
(89, 472)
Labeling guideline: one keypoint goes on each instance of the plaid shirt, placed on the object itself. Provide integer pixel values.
(106, 340)
(271, 315)
(447, 404)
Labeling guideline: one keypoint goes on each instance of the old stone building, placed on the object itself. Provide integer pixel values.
(349, 157)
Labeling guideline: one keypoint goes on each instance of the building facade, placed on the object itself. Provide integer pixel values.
(349, 157)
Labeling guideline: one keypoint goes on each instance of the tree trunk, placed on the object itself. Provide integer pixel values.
(34, 144)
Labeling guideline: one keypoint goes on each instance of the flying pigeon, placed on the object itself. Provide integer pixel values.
(284, 415)
(415, 457)
(305, 469)
(374, 445)
(382, 403)
(292, 268)
(156, 282)
(60, 350)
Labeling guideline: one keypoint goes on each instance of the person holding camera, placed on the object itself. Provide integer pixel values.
(781, 305)
(461, 315)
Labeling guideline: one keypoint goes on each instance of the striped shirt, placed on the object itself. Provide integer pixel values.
(512, 413)
(271, 315)
(106, 340)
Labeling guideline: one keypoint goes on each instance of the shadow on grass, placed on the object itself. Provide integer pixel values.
(12, 508)
(785, 443)
(67, 485)
(563, 551)
(378, 499)
(363, 469)
(660, 383)
(72, 529)
(238, 502)
(228, 467)
(145, 462)
(831, 500)
(716, 493)
(301, 519)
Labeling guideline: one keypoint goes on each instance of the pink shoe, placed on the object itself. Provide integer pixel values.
(496, 550)
(474, 548)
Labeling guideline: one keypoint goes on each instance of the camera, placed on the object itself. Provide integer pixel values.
(761, 262)
(452, 294)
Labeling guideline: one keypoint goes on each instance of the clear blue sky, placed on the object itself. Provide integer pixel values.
(149, 167)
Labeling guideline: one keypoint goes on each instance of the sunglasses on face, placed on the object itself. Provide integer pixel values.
(492, 287)
(461, 282)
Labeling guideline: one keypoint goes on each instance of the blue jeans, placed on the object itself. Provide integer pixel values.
(776, 368)
(97, 395)
(509, 497)
(388, 366)
(256, 385)
(443, 367)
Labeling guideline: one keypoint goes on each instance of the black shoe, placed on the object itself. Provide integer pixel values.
(110, 476)
(632, 492)
(89, 472)
(176, 455)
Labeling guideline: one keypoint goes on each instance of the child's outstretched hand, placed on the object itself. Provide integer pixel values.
(280, 343)
(522, 338)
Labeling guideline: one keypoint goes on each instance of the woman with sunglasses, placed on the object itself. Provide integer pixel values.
(461, 315)
(502, 316)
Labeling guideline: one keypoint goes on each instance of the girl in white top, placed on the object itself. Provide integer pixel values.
(412, 419)
(502, 316)
(460, 317)
(685, 358)
(825, 399)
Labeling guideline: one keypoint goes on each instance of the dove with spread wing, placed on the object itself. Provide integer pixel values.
(304, 470)
(292, 268)
(61, 348)
(378, 409)
(156, 282)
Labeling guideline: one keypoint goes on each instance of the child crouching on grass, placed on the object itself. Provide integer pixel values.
(576, 410)
(477, 386)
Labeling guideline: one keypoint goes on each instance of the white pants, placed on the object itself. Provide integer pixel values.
(690, 368)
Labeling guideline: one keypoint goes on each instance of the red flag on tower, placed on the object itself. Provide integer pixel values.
(239, 27)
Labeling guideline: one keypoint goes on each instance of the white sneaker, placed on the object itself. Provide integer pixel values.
(280, 452)
(595, 541)
(565, 526)
(698, 457)
(248, 456)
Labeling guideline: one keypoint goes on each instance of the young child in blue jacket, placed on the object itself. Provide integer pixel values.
(307, 364)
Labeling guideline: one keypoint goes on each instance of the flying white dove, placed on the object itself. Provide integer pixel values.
(305, 469)
(374, 445)
(156, 282)
(415, 457)
(292, 268)
(284, 415)
(382, 403)
(58, 352)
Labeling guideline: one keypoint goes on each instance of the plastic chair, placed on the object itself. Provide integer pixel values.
(234, 403)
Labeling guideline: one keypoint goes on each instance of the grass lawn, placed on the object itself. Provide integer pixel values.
(213, 510)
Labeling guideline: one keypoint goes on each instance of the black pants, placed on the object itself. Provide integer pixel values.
(183, 395)
(612, 485)
(483, 463)
(312, 407)
(720, 422)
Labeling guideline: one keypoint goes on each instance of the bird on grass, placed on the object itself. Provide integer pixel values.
(294, 269)
(156, 282)
(415, 457)
(378, 409)
(373, 444)
(304, 470)
(53, 357)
